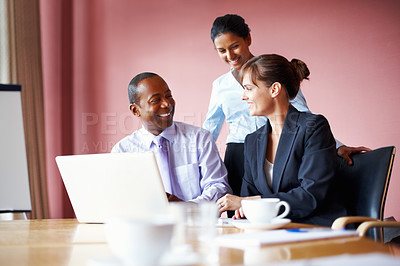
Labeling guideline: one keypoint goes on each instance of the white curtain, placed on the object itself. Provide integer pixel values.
(22, 59)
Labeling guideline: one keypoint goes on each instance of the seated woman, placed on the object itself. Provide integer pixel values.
(292, 157)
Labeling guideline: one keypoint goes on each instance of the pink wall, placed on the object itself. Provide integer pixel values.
(351, 48)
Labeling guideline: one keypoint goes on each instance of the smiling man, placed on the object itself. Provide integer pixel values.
(187, 156)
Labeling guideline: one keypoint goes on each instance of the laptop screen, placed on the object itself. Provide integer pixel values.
(102, 186)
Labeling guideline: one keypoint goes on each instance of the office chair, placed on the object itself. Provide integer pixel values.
(363, 188)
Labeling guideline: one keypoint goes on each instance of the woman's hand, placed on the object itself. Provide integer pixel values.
(229, 203)
(239, 214)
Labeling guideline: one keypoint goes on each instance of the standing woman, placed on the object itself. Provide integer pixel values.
(231, 37)
(293, 156)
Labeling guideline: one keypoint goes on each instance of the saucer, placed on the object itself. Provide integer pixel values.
(274, 224)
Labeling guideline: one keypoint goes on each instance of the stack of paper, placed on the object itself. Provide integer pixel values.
(371, 259)
(243, 240)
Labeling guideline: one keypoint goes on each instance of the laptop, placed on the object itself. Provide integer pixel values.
(102, 186)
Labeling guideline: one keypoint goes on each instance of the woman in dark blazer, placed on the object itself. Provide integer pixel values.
(292, 157)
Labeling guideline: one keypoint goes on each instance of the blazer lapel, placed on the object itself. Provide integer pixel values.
(261, 149)
(284, 149)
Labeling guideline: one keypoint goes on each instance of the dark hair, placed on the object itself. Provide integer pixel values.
(133, 85)
(275, 68)
(229, 23)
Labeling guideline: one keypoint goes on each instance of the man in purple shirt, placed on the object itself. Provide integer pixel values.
(196, 171)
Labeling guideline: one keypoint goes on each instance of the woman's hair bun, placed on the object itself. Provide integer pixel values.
(301, 69)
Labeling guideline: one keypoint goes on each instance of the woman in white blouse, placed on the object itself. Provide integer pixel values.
(231, 37)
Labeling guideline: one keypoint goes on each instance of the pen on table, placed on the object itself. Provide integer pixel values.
(305, 230)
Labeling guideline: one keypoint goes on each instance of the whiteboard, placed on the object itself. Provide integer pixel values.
(14, 180)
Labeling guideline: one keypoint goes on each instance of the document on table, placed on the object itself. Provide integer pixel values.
(259, 238)
(371, 259)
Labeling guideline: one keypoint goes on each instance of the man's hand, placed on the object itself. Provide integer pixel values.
(172, 197)
(345, 152)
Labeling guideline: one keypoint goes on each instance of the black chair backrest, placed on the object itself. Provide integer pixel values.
(364, 184)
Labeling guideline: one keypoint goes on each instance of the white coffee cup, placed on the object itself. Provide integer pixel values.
(264, 210)
(138, 241)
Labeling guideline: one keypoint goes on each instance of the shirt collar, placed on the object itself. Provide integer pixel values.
(169, 133)
(148, 137)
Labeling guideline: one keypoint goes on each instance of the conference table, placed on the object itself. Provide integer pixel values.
(68, 242)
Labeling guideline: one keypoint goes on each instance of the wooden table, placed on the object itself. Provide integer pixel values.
(66, 242)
